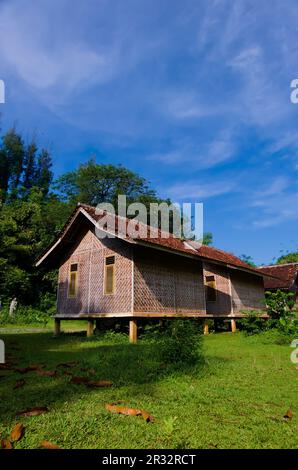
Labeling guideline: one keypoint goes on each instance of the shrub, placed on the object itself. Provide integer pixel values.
(24, 316)
(180, 341)
(252, 323)
(279, 304)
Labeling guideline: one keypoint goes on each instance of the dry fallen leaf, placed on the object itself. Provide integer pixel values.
(99, 383)
(19, 383)
(289, 414)
(123, 410)
(147, 417)
(5, 444)
(37, 410)
(78, 380)
(17, 432)
(48, 445)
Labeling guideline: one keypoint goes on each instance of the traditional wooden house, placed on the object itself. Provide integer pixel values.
(145, 277)
(285, 278)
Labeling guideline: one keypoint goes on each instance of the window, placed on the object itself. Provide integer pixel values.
(72, 286)
(109, 278)
(210, 288)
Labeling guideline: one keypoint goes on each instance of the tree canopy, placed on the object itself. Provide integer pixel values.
(288, 258)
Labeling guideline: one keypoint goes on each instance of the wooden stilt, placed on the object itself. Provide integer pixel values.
(233, 326)
(90, 328)
(133, 331)
(206, 328)
(57, 327)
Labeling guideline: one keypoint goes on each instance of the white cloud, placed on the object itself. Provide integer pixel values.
(30, 48)
(206, 155)
(276, 203)
(195, 190)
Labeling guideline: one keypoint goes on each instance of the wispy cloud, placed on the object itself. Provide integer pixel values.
(206, 155)
(276, 203)
(200, 191)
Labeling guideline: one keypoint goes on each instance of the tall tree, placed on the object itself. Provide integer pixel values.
(44, 174)
(12, 153)
(29, 178)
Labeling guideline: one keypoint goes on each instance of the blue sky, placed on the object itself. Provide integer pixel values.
(194, 95)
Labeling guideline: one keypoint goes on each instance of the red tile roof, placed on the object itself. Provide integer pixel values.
(286, 274)
(169, 243)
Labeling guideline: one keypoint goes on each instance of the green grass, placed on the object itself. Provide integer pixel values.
(236, 399)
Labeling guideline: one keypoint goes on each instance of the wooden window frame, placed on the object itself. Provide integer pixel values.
(207, 286)
(73, 296)
(105, 275)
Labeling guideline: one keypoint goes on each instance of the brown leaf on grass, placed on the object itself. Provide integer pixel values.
(48, 445)
(147, 416)
(19, 383)
(5, 444)
(18, 432)
(289, 414)
(47, 373)
(123, 410)
(35, 411)
(29, 368)
(99, 383)
(79, 380)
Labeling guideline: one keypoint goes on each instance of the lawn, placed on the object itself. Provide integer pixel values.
(236, 399)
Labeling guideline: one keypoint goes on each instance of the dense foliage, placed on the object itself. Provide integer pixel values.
(179, 341)
(288, 258)
(282, 325)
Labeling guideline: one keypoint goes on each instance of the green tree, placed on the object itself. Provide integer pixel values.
(12, 152)
(93, 183)
(248, 260)
(44, 174)
(207, 238)
(288, 258)
(29, 167)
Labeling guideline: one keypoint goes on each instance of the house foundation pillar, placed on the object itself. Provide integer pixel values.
(233, 326)
(90, 328)
(57, 324)
(206, 328)
(133, 331)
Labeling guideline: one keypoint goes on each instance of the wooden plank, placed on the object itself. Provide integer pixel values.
(233, 326)
(133, 331)
(57, 327)
(90, 328)
(206, 328)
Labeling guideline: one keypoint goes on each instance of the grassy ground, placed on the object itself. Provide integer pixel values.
(236, 399)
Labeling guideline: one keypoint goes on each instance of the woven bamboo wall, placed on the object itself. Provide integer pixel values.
(222, 305)
(90, 252)
(247, 291)
(167, 283)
